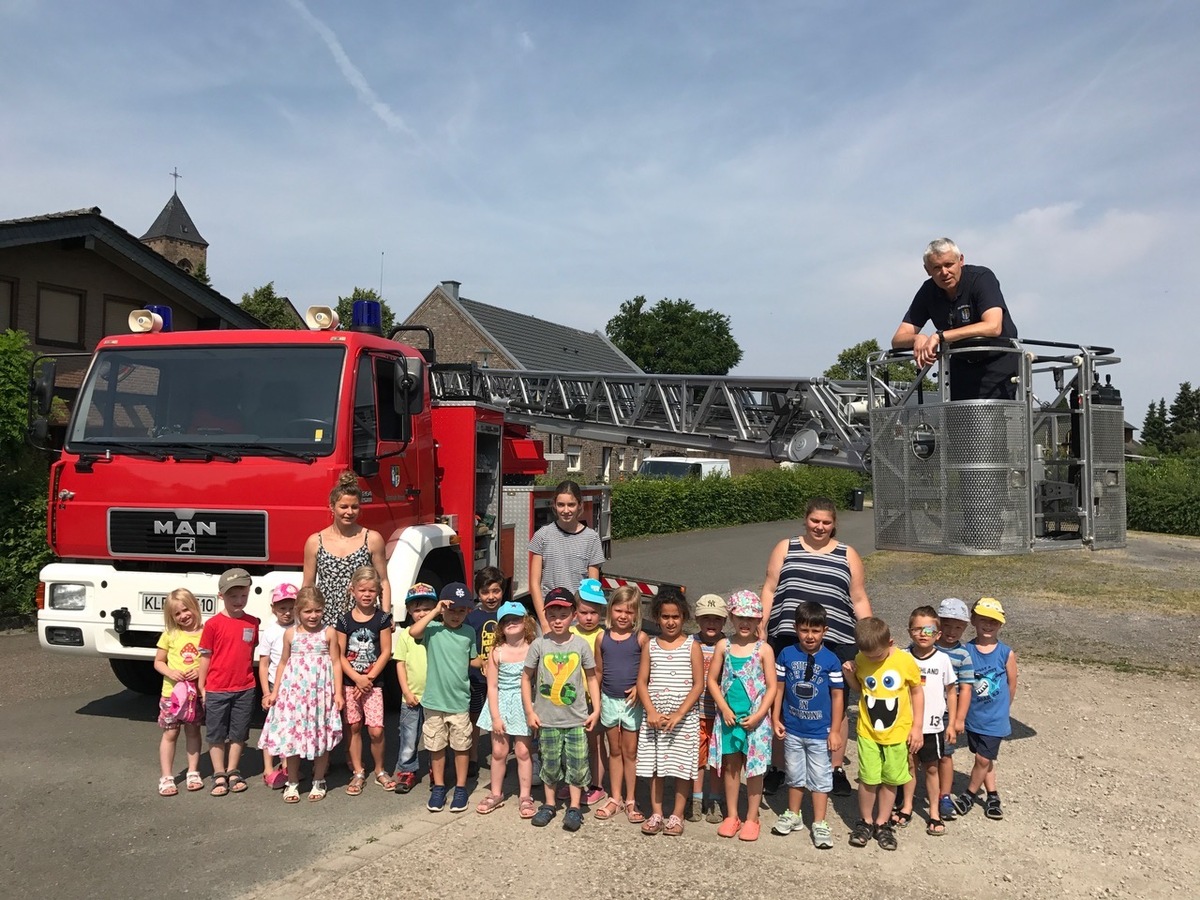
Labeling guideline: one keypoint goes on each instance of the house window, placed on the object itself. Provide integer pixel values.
(60, 317)
(116, 314)
(8, 303)
(574, 458)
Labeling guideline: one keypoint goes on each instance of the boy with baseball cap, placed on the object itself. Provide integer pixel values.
(269, 651)
(954, 618)
(411, 668)
(449, 649)
(226, 680)
(556, 706)
(988, 718)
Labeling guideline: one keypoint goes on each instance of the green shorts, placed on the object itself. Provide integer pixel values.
(564, 755)
(615, 711)
(882, 763)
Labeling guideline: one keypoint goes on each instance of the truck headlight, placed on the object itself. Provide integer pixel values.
(68, 596)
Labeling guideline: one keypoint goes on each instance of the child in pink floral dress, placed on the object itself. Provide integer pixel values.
(305, 717)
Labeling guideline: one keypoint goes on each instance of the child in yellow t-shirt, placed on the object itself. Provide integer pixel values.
(891, 709)
(178, 661)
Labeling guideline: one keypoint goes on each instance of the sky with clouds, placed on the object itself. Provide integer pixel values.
(783, 162)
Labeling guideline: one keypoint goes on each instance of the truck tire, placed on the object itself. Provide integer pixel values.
(137, 675)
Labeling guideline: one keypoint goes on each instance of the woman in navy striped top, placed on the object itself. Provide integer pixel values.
(816, 566)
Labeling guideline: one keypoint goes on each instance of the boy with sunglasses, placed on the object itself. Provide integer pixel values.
(937, 682)
(807, 716)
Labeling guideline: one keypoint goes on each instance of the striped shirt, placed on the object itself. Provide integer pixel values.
(565, 557)
(964, 668)
(821, 577)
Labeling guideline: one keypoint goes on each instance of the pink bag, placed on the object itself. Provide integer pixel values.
(184, 703)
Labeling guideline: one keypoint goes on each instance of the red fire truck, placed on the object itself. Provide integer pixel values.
(188, 453)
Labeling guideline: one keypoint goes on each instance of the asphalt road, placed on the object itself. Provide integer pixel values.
(79, 771)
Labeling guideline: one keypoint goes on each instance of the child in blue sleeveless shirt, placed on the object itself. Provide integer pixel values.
(988, 722)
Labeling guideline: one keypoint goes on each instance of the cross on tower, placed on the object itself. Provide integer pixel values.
(175, 174)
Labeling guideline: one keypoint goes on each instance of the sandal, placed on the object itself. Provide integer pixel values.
(653, 825)
(166, 786)
(355, 787)
(673, 827)
(385, 781)
(885, 837)
(632, 815)
(194, 781)
(608, 810)
(527, 808)
(935, 828)
(220, 785)
(318, 791)
(991, 807)
(237, 783)
(900, 819)
(489, 803)
(291, 792)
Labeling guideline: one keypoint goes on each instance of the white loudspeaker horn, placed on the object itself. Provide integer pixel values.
(142, 321)
(321, 318)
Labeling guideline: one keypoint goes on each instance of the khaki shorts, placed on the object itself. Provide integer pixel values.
(443, 728)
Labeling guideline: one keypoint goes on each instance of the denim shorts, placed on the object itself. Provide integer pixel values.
(808, 764)
(615, 711)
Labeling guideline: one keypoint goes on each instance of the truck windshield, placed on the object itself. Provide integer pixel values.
(184, 400)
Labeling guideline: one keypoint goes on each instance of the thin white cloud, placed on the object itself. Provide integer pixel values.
(525, 42)
(352, 73)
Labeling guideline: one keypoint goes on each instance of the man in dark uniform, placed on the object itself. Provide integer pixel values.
(963, 303)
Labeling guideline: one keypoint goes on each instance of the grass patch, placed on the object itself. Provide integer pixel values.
(1121, 580)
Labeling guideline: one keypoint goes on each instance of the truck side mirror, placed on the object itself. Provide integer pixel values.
(41, 388)
(409, 381)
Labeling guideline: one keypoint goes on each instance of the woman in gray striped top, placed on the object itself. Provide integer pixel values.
(816, 566)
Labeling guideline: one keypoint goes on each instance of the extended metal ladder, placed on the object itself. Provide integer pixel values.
(812, 420)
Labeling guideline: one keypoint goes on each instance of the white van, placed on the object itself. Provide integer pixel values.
(683, 467)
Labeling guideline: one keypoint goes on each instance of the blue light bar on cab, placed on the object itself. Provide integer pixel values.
(367, 316)
(164, 313)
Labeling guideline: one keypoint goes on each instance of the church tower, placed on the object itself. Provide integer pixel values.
(174, 235)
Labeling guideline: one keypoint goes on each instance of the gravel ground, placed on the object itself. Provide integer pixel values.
(1086, 815)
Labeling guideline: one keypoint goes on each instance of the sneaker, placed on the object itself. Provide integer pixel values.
(822, 836)
(946, 808)
(885, 836)
(437, 798)
(841, 784)
(787, 823)
(963, 803)
(544, 816)
(405, 782)
(861, 833)
(573, 819)
(772, 781)
(592, 795)
(459, 803)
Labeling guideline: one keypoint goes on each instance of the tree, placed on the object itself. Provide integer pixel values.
(200, 273)
(851, 365)
(673, 337)
(345, 308)
(1154, 428)
(270, 309)
(1184, 422)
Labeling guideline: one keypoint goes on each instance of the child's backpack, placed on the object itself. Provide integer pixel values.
(184, 703)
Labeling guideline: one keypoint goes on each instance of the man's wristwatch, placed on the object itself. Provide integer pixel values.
(941, 336)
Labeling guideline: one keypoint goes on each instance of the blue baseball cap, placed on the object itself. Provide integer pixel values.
(458, 594)
(591, 592)
(511, 608)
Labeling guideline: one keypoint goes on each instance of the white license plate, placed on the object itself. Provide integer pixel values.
(154, 603)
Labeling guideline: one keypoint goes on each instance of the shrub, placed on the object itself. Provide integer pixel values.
(23, 481)
(1164, 495)
(666, 505)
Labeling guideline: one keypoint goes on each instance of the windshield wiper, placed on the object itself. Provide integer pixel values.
(132, 449)
(207, 449)
(276, 449)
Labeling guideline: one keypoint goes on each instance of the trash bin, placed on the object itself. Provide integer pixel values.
(854, 500)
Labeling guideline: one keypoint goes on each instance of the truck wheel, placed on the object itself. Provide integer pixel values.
(137, 675)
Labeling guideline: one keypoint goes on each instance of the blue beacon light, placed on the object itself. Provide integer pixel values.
(367, 316)
(164, 313)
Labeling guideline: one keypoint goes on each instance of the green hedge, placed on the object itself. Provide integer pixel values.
(1164, 496)
(23, 473)
(667, 505)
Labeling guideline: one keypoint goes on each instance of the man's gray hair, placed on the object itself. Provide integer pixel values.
(939, 247)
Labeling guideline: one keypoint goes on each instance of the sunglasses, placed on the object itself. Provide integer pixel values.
(924, 630)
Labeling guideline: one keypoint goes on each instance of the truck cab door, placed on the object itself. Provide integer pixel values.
(379, 450)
